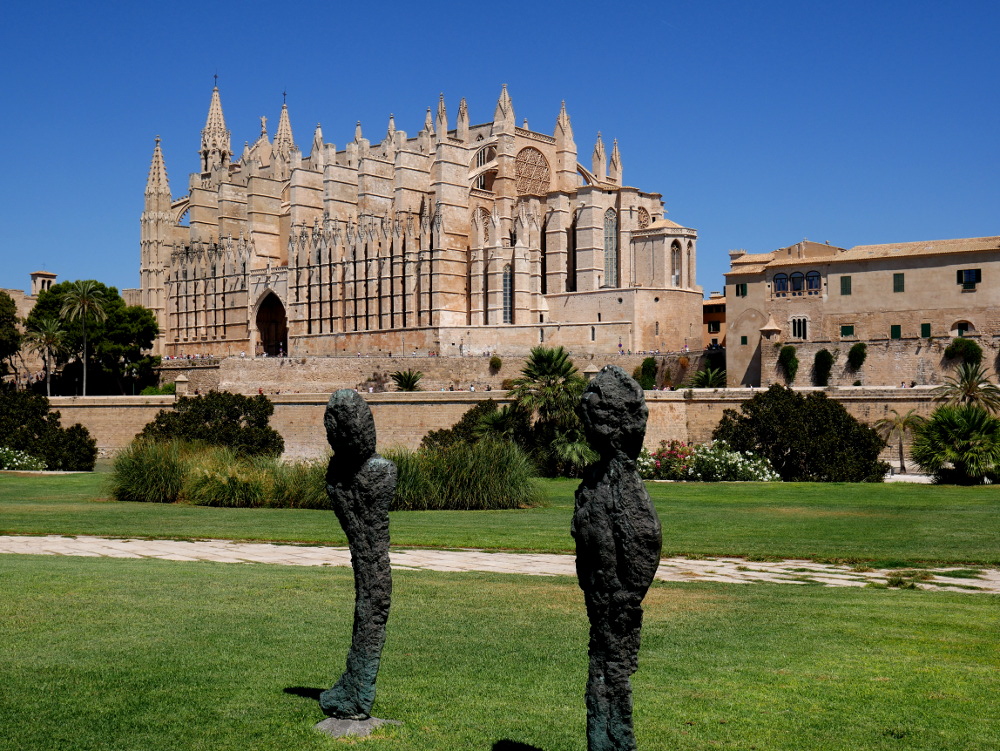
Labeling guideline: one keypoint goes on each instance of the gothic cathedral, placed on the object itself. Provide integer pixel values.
(463, 240)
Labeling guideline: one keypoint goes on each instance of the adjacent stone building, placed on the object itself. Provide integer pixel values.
(464, 239)
(905, 300)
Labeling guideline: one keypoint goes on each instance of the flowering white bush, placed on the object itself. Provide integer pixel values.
(716, 462)
(645, 464)
(14, 459)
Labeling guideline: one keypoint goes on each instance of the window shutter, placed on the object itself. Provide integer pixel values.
(961, 277)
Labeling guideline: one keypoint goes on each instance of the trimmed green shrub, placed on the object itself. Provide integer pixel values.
(167, 389)
(222, 419)
(495, 364)
(788, 362)
(28, 424)
(856, 356)
(489, 474)
(822, 366)
(806, 438)
(965, 350)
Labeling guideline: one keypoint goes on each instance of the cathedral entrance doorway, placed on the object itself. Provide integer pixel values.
(272, 327)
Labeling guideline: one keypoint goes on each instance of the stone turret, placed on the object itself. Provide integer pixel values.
(566, 174)
(462, 125)
(441, 121)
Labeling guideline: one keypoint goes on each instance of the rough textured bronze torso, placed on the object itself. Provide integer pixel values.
(361, 485)
(618, 542)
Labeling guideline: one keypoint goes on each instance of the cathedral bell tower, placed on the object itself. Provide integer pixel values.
(154, 239)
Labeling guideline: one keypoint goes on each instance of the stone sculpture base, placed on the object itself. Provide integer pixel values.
(337, 728)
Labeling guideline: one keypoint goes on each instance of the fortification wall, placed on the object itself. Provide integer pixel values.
(402, 419)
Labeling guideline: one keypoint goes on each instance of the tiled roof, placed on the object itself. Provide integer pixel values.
(754, 264)
(928, 247)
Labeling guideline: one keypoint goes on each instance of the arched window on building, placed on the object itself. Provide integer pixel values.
(797, 282)
(779, 285)
(610, 248)
(690, 266)
(814, 284)
(675, 264)
(508, 294)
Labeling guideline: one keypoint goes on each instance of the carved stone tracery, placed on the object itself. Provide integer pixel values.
(531, 172)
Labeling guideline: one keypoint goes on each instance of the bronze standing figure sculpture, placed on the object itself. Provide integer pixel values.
(361, 485)
(618, 542)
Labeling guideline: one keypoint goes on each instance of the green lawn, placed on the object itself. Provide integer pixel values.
(892, 524)
(148, 655)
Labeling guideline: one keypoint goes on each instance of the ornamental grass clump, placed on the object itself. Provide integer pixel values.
(717, 462)
(488, 474)
(151, 471)
(14, 459)
(222, 480)
(298, 484)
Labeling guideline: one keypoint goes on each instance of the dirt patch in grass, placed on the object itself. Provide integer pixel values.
(806, 511)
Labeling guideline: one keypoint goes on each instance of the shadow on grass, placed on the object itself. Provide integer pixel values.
(508, 745)
(304, 691)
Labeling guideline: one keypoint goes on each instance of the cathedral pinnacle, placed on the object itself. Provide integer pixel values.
(215, 147)
(283, 141)
(599, 160)
(563, 126)
(441, 122)
(157, 181)
(504, 113)
(317, 145)
(615, 171)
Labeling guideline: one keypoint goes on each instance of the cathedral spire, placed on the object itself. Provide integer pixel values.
(357, 132)
(428, 123)
(157, 183)
(441, 121)
(503, 115)
(215, 148)
(599, 160)
(615, 171)
(283, 141)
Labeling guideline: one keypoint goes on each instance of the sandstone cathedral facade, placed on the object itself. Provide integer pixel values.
(461, 240)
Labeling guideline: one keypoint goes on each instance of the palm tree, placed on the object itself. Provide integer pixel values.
(709, 378)
(47, 338)
(407, 380)
(549, 389)
(84, 298)
(550, 385)
(897, 426)
(969, 385)
(959, 444)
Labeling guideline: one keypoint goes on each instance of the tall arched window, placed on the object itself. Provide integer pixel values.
(508, 294)
(610, 248)
(779, 285)
(675, 264)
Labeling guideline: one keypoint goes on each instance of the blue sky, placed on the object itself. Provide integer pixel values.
(760, 123)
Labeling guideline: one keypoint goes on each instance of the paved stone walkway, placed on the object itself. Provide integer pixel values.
(731, 570)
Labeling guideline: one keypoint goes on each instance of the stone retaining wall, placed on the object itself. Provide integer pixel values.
(402, 419)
